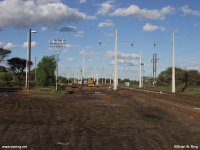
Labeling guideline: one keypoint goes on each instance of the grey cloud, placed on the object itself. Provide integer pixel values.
(68, 29)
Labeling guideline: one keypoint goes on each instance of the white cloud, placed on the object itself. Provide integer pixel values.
(82, 1)
(105, 8)
(107, 23)
(149, 28)
(187, 11)
(21, 13)
(9, 46)
(43, 29)
(125, 59)
(33, 44)
(136, 11)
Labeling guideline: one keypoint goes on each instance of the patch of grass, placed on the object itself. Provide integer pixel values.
(193, 90)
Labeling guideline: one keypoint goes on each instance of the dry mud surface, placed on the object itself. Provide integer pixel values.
(121, 120)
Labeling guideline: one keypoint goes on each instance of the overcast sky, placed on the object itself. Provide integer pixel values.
(89, 25)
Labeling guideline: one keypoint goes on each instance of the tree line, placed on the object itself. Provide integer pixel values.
(13, 71)
(183, 77)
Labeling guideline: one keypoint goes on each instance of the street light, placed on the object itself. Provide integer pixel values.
(28, 60)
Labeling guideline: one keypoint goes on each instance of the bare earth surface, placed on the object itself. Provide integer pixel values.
(106, 120)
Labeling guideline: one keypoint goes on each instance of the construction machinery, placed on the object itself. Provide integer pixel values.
(91, 82)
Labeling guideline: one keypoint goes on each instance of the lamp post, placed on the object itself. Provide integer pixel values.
(28, 60)
(57, 45)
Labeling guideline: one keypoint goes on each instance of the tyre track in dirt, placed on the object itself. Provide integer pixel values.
(154, 123)
(80, 134)
(10, 106)
(184, 105)
(117, 120)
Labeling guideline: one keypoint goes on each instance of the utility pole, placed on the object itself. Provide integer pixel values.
(97, 79)
(154, 61)
(57, 69)
(57, 45)
(110, 78)
(115, 63)
(27, 58)
(28, 61)
(74, 78)
(173, 65)
(83, 69)
(102, 70)
(105, 76)
(140, 75)
(35, 70)
(141, 72)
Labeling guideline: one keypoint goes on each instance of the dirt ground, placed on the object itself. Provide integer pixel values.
(100, 119)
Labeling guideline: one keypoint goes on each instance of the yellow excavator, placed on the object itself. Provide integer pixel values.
(91, 82)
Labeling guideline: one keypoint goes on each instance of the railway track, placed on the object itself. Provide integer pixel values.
(187, 105)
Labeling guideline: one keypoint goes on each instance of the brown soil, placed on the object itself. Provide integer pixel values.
(99, 119)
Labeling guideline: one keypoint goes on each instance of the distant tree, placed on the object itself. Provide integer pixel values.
(62, 79)
(17, 66)
(165, 77)
(4, 53)
(46, 71)
(126, 80)
(194, 77)
(5, 78)
(186, 77)
(190, 77)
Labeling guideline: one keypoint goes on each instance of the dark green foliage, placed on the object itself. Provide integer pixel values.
(186, 77)
(46, 71)
(5, 78)
(62, 79)
(17, 66)
(4, 53)
(165, 77)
